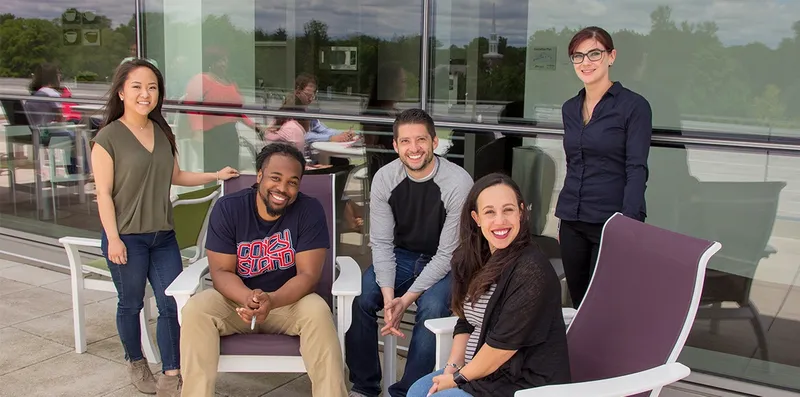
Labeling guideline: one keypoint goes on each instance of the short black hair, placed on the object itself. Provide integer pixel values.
(414, 116)
(280, 148)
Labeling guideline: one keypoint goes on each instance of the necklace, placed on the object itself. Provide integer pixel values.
(141, 128)
(587, 115)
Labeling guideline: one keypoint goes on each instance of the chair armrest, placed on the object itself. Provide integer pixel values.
(84, 242)
(442, 326)
(71, 245)
(345, 289)
(626, 385)
(189, 280)
(443, 329)
(176, 202)
(186, 284)
(349, 281)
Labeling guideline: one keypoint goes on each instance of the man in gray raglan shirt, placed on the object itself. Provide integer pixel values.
(415, 205)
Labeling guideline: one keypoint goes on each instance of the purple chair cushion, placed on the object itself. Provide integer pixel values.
(637, 302)
(259, 345)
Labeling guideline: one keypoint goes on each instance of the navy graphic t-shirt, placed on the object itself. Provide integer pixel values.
(265, 251)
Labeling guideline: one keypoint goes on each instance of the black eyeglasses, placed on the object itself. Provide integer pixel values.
(593, 55)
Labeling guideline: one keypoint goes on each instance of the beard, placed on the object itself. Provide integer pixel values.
(427, 160)
(271, 210)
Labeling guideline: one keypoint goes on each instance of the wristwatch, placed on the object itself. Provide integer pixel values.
(459, 378)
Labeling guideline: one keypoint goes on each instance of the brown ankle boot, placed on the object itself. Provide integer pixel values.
(169, 386)
(141, 377)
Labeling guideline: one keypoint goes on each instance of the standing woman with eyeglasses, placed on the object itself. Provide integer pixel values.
(607, 130)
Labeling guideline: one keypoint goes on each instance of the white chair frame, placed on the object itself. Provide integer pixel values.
(344, 290)
(79, 283)
(652, 380)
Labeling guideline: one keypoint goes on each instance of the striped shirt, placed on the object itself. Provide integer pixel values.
(474, 315)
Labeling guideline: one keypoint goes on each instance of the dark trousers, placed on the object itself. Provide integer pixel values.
(361, 340)
(580, 242)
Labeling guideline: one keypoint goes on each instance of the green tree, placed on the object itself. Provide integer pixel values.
(768, 106)
(25, 44)
(6, 17)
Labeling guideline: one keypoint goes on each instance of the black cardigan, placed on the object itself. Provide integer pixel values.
(523, 314)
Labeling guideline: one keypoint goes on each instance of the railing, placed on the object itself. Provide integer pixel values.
(665, 137)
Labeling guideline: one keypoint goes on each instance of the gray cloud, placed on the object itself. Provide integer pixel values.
(119, 12)
(739, 21)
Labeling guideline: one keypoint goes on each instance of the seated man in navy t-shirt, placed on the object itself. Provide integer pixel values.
(266, 248)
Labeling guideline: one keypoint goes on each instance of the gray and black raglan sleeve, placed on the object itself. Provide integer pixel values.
(455, 184)
(381, 225)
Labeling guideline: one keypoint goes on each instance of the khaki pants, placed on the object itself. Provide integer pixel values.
(209, 315)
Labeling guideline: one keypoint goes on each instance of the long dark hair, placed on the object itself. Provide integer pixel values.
(293, 103)
(474, 267)
(45, 74)
(115, 108)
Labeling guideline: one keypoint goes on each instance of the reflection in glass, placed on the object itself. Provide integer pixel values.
(345, 46)
(748, 321)
(86, 43)
(721, 79)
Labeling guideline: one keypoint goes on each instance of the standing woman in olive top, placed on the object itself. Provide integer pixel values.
(607, 130)
(135, 163)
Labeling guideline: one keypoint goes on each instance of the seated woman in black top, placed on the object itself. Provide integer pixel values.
(510, 333)
(607, 130)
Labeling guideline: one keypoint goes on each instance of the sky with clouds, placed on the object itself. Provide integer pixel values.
(739, 21)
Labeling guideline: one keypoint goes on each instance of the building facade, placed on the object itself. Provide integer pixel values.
(719, 77)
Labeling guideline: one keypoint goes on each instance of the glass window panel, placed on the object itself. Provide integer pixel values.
(718, 67)
(748, 201)
(84, 40)
(249, 54)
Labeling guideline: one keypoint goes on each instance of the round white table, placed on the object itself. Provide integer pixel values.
(338, 149)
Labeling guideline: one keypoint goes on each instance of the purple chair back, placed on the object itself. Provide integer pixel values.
(641, 302)
(321, 188)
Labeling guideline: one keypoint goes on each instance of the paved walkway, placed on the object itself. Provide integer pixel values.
(37, 356)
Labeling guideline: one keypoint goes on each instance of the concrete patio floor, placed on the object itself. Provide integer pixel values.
(37, 356)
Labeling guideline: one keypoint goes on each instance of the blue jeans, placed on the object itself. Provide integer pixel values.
(154, 257)
(421, 387)
(361, 340)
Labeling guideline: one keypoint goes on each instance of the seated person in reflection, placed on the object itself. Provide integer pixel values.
(510, 333)
(296, 131)
(290, 129)
(415, 203)
(266, 248)
(305, 89)
(50, 116)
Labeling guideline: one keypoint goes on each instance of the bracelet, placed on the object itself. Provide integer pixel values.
(217, 174)
(453, 365)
